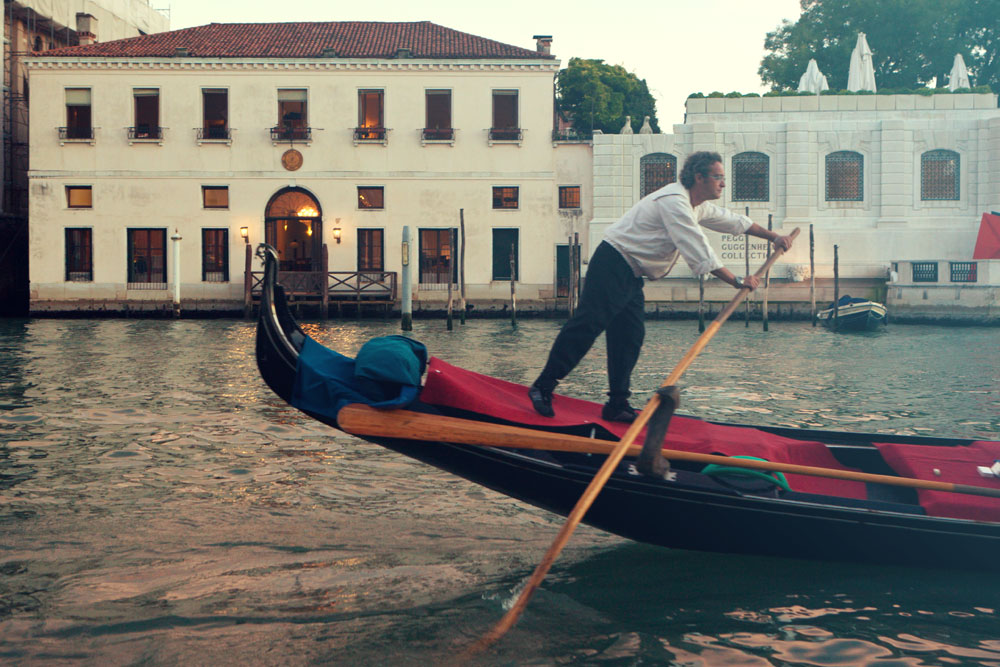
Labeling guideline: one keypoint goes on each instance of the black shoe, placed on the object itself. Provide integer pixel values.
(541, 400)
(620, 412)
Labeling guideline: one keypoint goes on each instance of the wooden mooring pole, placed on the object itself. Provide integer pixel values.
(812, 276)
(461, 265)
(513, 290)
(576, 271)
(767, 277)
(701, 303)
(451, 300)
(746, 256)
(407, 306)
(836, 288)
(248, 285)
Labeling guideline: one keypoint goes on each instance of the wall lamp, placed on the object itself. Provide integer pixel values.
(245, 233)
(336, 234)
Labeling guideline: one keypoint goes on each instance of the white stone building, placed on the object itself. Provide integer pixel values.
(306, 135)
(886, 178)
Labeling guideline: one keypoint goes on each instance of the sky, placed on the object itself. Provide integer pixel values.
(678, 46)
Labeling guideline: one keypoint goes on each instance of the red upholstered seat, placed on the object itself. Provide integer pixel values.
(958, 465)
(457, 388)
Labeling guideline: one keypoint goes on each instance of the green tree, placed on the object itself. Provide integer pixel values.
(597, 96)
(913, 41)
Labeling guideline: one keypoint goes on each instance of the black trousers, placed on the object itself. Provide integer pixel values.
(612, 302)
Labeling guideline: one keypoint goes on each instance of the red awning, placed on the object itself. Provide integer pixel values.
(988, 243)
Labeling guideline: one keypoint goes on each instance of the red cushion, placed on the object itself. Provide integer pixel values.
(958, 465)
(455, 387)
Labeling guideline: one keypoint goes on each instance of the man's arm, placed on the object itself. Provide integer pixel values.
(783, 242)
(727, 276)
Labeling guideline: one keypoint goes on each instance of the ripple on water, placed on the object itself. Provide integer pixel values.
(159, 503)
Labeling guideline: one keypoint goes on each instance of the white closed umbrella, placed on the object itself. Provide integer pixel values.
(959, 77)
(813, 81)
(861, 76)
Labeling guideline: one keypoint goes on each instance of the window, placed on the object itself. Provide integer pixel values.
(569, 196)
(215, 196)
(655, 171)
(371, 197)
(78, 121)
(79, 196)
(505, 251)
(924, 272)
(79, 255)
(147, 114)
(963, 272)
(750, 177)
(293, 121)
(845, 176)
(436, 254)
(438, 123)
(371, 250)
(371, 117)
(505, 197)
(214, 113)
(939, 172)
(215, 255)
(147, 258)
(505, 124)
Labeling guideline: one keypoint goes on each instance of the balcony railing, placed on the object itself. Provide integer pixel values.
(438, 134)
(572, 134)
(214, 133)
(371, 134)
(76, 133)
(505, 134)
(281, 133)
(142, 132)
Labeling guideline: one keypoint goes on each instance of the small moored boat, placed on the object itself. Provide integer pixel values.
(710, 508)
(850, 314)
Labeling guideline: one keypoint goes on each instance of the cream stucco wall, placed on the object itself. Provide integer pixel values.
(159, 184)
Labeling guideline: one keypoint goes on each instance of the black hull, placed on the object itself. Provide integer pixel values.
(686, 514)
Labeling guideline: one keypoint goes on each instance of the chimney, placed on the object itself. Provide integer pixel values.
(543, 44)
(86, 29)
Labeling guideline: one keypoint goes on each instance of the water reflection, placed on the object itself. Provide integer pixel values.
(159, 504)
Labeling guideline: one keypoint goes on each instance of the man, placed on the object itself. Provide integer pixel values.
(644, 243)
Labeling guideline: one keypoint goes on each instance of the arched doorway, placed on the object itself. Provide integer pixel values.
(293, 224)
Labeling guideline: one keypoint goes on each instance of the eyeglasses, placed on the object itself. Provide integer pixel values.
(717, 177)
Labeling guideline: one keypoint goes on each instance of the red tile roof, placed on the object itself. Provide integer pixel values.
(346, 39)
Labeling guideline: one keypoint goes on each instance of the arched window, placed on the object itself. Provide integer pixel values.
(939, 172)
(655, 171)
(750, 177)
(38, 43)
(845, 172)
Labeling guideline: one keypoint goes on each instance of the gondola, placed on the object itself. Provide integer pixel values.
(718, 509)
(853, 314)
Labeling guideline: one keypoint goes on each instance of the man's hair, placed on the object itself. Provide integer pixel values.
(697, 163)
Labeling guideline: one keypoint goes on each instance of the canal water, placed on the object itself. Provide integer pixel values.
(158, 505)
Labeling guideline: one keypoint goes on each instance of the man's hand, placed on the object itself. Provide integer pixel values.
(751, 282)
(783, 242)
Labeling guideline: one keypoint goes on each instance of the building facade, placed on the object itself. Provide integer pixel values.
(337, 139)
(38, 26)
(886, 178)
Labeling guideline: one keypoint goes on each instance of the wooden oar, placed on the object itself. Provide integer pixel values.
(363, 420)
(601, 478)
